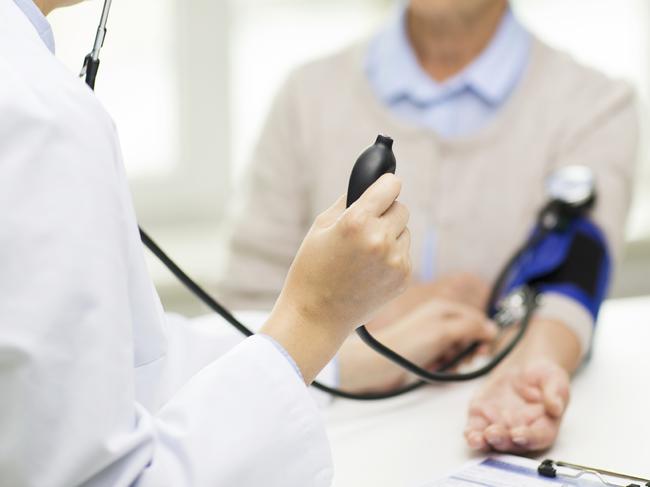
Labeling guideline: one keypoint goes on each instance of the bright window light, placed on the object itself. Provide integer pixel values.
(270, 38)
(137, 81)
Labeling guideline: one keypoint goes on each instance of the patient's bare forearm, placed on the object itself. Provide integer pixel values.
(549, 339)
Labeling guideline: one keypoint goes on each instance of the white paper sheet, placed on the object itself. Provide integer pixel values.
(510, 471)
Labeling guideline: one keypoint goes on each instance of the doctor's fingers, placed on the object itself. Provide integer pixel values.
(396, 218)
(331, 215)
(379, 197)
(404, 243)
(401, 258)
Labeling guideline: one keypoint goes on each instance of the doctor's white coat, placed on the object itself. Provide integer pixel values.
(97, 386)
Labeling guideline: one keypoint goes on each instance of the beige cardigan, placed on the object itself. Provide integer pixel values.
(479, 193)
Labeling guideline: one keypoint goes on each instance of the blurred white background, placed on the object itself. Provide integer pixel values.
(189, 83)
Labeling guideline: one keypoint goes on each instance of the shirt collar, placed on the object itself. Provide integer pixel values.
(396, 72)
(38, 20)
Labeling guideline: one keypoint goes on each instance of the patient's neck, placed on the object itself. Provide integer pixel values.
(445, 44)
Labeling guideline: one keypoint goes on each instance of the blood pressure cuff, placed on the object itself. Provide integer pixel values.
(574, 262)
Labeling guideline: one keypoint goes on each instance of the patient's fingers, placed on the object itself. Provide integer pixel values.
(476, 440)
(537, 436)
(523, 415)
(556, 395)
(476, 425)
(528, 392)
(498, 437)
(506, 429)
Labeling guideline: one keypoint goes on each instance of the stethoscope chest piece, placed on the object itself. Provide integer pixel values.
(513, 307)
(571, 191)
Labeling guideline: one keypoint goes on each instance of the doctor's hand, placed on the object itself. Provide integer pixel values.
(519, 409)
(350, 263)
(432, 333)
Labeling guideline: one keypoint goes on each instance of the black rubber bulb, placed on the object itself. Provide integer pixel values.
(376, 160)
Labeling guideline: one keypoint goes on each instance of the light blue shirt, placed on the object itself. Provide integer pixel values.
(457, 107)
(460, 105)
(38, 20)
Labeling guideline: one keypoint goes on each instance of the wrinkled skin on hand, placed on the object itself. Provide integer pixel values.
(463, 288)
(432, 333)
(519, 409)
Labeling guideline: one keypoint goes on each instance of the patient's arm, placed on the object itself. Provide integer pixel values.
(520, 406)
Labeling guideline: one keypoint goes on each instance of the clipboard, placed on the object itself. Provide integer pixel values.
(571, 471)
(499, 470)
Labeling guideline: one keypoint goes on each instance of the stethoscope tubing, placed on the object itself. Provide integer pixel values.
(427, 377)
(89, 72)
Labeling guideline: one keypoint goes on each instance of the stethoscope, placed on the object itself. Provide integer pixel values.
(571, 191)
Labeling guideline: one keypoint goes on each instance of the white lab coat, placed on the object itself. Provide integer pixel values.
(97, 386)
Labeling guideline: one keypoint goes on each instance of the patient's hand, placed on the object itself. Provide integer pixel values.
(432, 332)
(461, 287)
(519, 409)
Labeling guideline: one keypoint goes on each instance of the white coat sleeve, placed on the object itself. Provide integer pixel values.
(197, 341)
(68, 409)
(264, 428)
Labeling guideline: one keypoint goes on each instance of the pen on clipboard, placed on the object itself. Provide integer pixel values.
(549, 469)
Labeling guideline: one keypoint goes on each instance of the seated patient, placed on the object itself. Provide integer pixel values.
(481, 112)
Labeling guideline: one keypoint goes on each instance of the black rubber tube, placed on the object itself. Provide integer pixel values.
(438, 376)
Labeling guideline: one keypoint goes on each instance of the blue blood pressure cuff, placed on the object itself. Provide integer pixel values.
(574, 262)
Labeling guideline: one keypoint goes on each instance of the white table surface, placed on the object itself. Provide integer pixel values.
(409, 440)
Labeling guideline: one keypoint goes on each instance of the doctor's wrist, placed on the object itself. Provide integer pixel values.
(311, 342)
